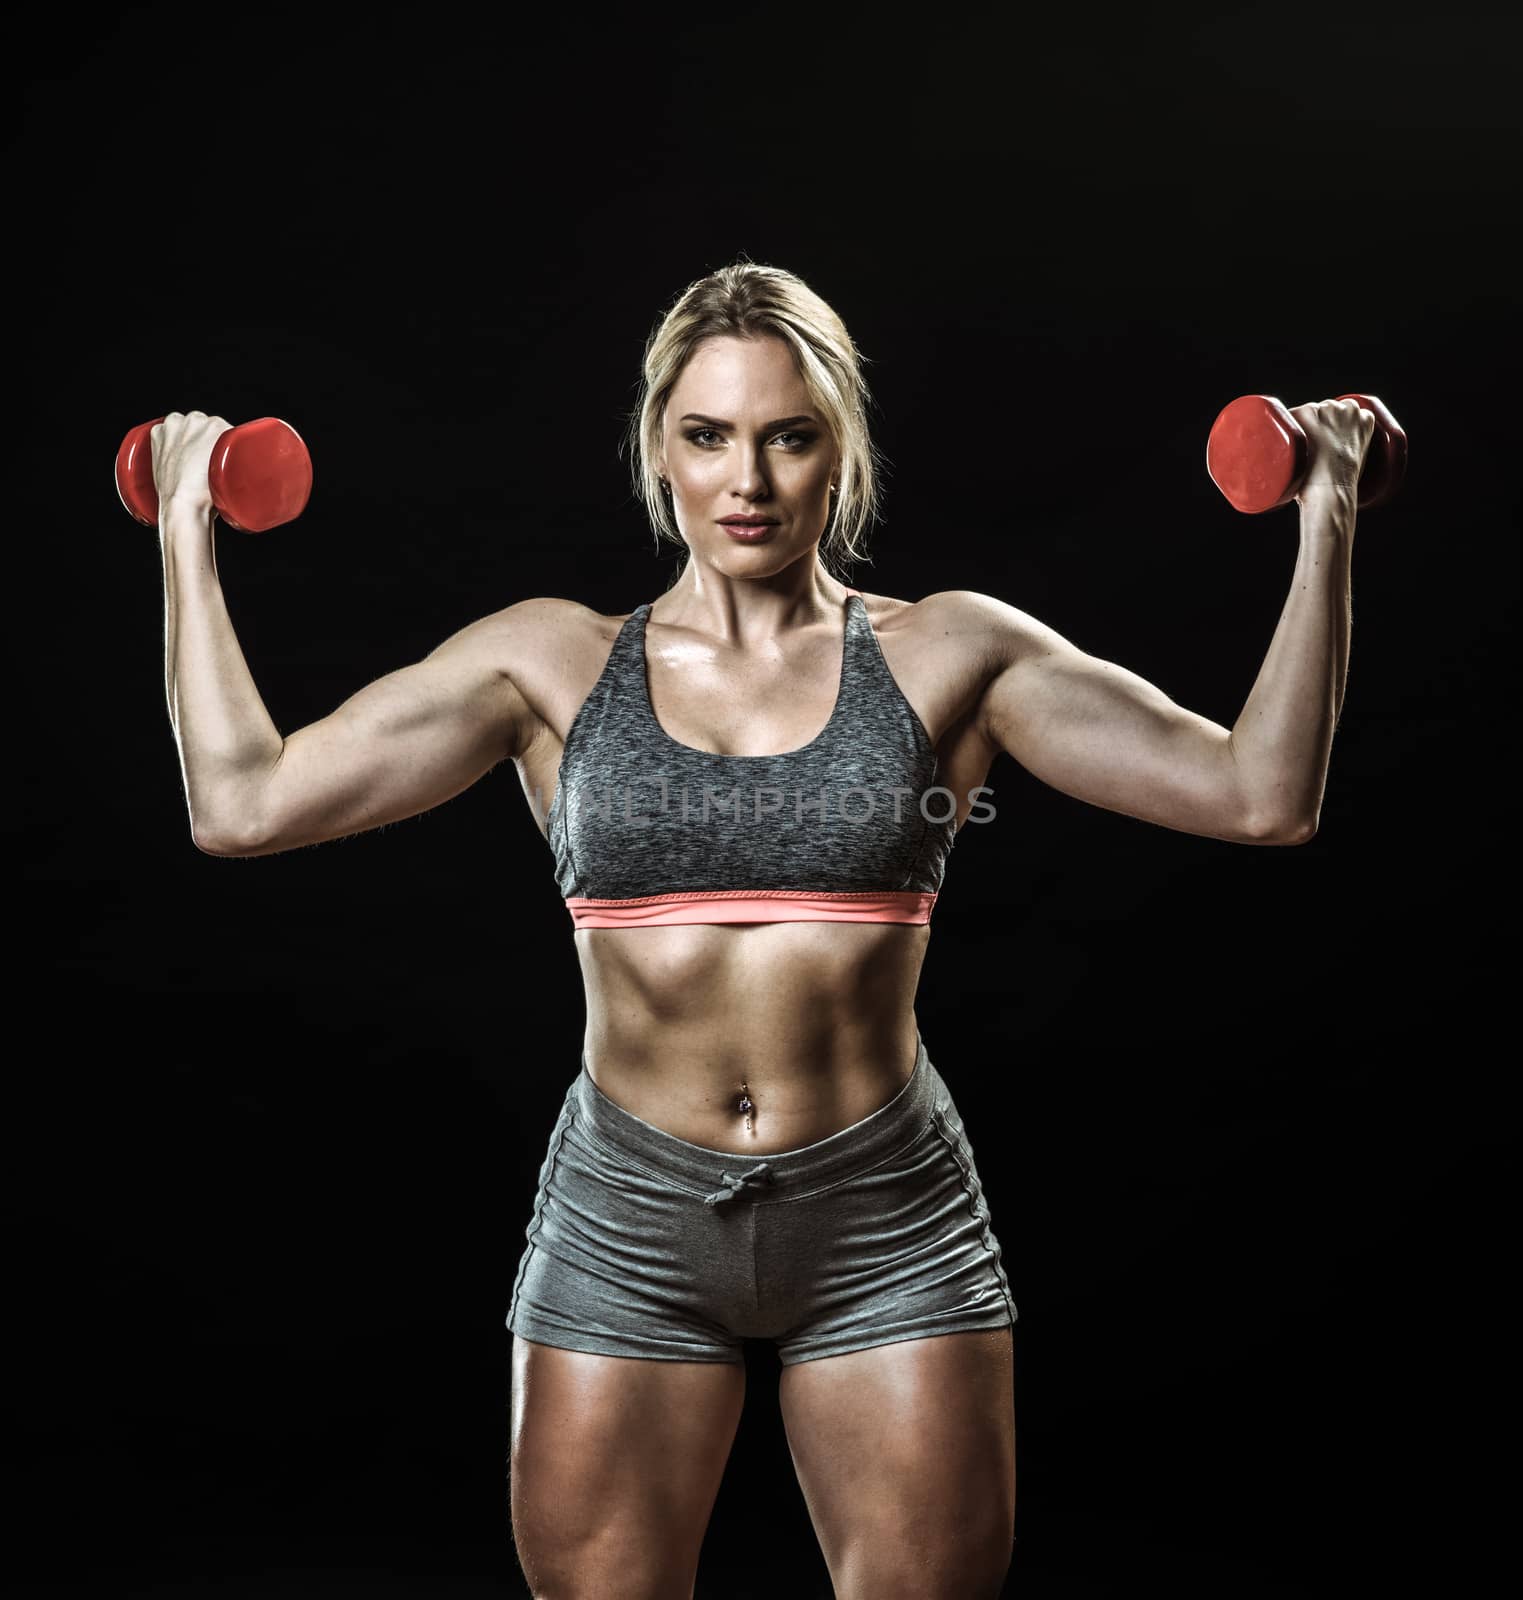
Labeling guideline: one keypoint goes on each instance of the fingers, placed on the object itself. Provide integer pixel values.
(170, 427)
(1351, 408)
(1336, 416)
(175, 418)
(1339, 434)
(176, 423)
(181, 443)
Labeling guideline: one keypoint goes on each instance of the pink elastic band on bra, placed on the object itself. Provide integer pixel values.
(753, 905)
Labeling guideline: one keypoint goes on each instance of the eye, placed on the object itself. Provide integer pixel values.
(804, 439)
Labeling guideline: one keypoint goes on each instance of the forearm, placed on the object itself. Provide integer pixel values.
(226, 739)
(1282, 739)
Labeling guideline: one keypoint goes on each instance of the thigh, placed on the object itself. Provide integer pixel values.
(620, 1260)
(904, 1250)
(905, 1453)
(614, 1469)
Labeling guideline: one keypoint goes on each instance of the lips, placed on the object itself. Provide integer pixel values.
(749, 532)
(749, 522)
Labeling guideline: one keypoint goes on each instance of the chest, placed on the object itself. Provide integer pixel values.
(764, 715)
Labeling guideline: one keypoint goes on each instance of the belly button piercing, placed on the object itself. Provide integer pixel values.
(745, 1104)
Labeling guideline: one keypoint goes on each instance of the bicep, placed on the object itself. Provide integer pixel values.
(402, 745)
(1105, 735)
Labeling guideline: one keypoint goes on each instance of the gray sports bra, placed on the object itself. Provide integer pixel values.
(851, 827)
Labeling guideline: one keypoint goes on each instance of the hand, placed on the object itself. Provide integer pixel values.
(182, 451)
(1338, 433)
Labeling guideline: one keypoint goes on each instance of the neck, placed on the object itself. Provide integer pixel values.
(744, 609)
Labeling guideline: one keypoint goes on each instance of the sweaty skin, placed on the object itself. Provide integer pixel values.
(806, 1026)
(813, 1022)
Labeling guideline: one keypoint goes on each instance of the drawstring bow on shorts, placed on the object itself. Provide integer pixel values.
(760, 1176)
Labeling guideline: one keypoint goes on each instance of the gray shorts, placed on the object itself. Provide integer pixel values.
(642, 1244)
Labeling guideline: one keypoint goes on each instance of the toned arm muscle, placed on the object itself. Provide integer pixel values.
(400, 746)
(1099, 732)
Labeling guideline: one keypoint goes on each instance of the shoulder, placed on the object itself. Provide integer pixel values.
(548, 652)
(544, 631)
(988, 659)
(991, 630)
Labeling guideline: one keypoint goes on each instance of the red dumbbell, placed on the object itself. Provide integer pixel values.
(260, 475)
(1257, 454)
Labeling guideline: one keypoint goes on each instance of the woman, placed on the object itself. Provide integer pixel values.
(753, 799)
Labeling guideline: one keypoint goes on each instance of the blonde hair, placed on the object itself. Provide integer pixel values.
(749, 300)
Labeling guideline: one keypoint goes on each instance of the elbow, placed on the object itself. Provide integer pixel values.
(1283, 831)
(222, 841)
(233, 822)
(1274, 817)
(213, 844)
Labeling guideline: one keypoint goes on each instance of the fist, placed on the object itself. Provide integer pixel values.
(182, 451)
(1338, 434)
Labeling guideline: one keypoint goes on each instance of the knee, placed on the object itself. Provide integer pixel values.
(971, 1570)
(597, 1589)
(964, 1582)
(567, 1582)
(599, 1570)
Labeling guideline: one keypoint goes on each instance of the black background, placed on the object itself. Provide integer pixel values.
(1240, 1112)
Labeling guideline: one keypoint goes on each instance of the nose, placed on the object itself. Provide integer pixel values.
(750, 479)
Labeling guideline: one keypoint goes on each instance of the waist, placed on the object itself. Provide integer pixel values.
(812, 1108)
(815, 1018)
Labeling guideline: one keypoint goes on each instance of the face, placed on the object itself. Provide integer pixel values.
(741, 437)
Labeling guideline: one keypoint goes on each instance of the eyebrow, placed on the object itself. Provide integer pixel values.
(778, 422)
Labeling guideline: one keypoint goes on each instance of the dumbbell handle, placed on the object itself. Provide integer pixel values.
(1257, 454)
(260, 475)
